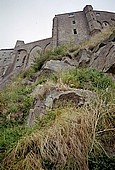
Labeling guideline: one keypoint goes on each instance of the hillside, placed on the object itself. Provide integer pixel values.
(60, 113)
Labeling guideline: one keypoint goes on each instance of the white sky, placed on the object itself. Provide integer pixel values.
(31, 20)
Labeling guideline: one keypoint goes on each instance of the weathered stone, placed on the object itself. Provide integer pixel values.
(84, 57)
(104, 59)
(37, 111)
(26, 82)
(57, 66)
(75, 96)
(37, 91)
(71, 62)
(85, 24)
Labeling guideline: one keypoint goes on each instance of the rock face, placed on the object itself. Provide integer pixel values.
(84, 57)
(104, 58)
(71, 61)
(55, 98)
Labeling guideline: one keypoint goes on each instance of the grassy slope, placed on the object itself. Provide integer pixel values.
(65, 138)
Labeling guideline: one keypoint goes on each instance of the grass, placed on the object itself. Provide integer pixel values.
(55, 54)
(15, 103)
(69, 49)
(65, 138)
(85, 78)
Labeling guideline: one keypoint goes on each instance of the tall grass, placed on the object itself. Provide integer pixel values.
(67, 140)
(84, 78)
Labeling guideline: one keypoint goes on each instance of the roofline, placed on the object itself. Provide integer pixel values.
(7, 49)
(38, 40)
(82, 11)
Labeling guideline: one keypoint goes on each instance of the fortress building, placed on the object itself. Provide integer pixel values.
(72, 27)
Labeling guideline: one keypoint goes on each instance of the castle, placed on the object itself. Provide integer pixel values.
(72, 27)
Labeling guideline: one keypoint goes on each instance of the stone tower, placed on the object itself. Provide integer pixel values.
(94, 26)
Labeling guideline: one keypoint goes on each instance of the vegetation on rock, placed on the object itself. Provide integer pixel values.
(68, 137)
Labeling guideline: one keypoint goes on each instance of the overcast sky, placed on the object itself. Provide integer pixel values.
(31, 20)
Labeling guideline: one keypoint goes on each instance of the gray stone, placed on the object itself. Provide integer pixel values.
(104, 59)
(71, 62)
(76, 96)
(57, 66)
(37, 112)
(26, 82)
(72, 28)
(84, 57)
(38, 91)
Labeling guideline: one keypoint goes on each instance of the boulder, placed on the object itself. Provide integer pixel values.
(72, 96)
(54, 97)
(57, 66)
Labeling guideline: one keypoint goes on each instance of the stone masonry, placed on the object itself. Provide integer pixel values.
(72, 27)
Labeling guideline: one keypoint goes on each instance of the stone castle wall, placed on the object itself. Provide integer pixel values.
(75, 27)
(72, 27)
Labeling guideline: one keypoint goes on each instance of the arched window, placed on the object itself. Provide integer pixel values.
(105, 24)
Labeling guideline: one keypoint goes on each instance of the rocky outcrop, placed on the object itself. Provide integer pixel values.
(84, 58)
(49, 97)
(104, 58)
(76, 97)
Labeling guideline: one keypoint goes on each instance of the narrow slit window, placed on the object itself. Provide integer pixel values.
(75, 31)
(73, 22)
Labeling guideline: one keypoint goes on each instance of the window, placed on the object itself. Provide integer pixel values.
(74, 30)
(73, 22)
(105, 24)
(97, 14)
